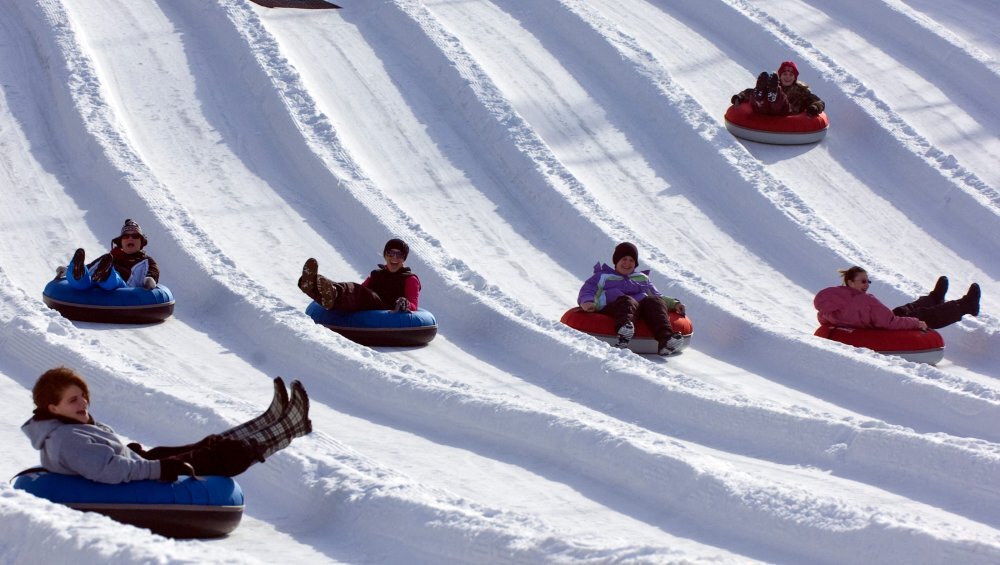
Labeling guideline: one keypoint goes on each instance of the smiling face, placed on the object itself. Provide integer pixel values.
(131, 242)
(625, 266)
(394, 260)
(787, 77)
(73, 404)
(860, 282)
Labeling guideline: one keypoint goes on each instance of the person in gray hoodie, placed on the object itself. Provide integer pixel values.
(71, 442)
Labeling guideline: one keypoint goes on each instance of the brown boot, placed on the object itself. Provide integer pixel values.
(328, 292)
(307, 282)
(103, 269)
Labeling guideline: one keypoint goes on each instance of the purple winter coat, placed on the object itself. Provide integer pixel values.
(847, 307)
(606, 285)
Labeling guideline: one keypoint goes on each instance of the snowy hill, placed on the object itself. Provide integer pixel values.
(513, 143)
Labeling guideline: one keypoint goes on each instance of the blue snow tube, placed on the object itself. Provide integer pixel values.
(378, 327)
(206, 507)
(119, 306)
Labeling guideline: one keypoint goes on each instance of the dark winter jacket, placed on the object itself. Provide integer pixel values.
(123, 263)
(799, 97)
(390, 286)
(91, 450)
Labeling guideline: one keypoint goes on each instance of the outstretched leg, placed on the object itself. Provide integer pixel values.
(225, 457)
(623, 310)
(933, 298)
(940, 315)
(292, 424)
(242, 432)
(655, 313)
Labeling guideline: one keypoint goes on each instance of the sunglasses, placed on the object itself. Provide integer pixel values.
(394, 253)
(131, 236)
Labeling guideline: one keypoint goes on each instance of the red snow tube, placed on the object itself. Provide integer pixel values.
(912, 345)
(796, 129)
(602, 326)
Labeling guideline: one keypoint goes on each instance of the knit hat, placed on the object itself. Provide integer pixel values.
(789, 65)
(130, 227)
(625, 249)
(399, 244)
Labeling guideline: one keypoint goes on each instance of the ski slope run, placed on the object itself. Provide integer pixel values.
(513, 143)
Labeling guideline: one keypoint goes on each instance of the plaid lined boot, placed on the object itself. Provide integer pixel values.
(294, 422)
(279, 404)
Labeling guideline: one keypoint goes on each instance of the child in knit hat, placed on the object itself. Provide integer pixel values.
(391, 286)
(781, 94)
(623, 293)
(126, 265)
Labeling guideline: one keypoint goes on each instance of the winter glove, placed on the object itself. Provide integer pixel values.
(138, 449)
(812, 111)
(679, 308)
(402, 305)
(171, 468)
(148, 283)
(736, 99)
(61, 272)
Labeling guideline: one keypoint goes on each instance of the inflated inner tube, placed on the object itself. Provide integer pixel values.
(796, 129)
(206, 507)
(378, 327)
(912, 345)
(602, 326)
(118, 306)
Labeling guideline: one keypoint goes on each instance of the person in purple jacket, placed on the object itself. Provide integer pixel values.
(623, 293)
(850, 306)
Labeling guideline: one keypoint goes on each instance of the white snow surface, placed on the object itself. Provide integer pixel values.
(513, 143)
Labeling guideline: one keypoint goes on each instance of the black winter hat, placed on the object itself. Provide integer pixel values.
(130, 226)
(399, 244)
(625, 249)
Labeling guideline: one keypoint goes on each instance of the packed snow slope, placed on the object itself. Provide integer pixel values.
(513, 143)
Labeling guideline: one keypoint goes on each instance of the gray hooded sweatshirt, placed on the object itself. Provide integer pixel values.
(91, 450)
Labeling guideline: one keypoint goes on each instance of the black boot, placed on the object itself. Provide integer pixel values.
(772, 87)
(78, 263)
(103, 269)
(760, 90)
(940, 289)
(970, 302)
